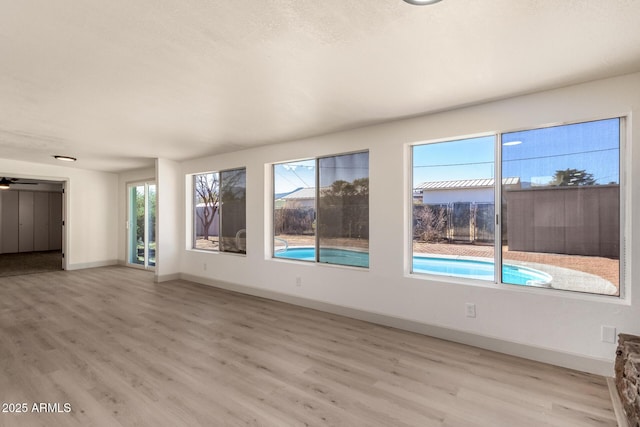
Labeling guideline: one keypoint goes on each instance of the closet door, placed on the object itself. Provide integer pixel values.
(25, 234)
(41, 221)
(10, 221)
(55, 221)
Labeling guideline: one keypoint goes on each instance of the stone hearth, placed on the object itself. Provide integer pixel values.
(627, 371)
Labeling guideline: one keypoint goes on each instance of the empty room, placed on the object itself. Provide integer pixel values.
(338, 213)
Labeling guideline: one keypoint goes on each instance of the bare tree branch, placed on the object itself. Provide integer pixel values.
(207, 193)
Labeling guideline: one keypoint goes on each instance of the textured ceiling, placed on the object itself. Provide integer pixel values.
(118, 83)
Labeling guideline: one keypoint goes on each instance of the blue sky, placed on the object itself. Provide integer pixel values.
(454, 160)
(592, 146)
(289, 176)
(533, 156)
(347, 167)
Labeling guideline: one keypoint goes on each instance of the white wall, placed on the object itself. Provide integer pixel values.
(170, 220)
(125, 178)
(477, 195)
(91, 210)
(548, 325)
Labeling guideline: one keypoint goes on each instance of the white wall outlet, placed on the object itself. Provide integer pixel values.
(204, 266)
(470, 309)
(608, 334)
(298, 281)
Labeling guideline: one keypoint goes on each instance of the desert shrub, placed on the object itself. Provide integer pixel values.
(430, 223)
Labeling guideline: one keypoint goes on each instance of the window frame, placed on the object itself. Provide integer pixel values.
(194, 216)
(623, 192)
(316, 203)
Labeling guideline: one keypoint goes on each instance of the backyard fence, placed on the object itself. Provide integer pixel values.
(578, 220)
(298, 221)
(348, 221)
(458, 221)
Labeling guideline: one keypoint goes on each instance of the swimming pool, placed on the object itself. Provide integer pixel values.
(468, 268)
(328, 255)
(478, 269)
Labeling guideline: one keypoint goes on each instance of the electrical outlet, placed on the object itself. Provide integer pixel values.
(470, 309)
(608, 334)
(204, 266)
(298, 281)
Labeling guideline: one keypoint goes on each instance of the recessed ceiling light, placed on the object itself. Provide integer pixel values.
(421, 2)
(510, 143)
(65, 158)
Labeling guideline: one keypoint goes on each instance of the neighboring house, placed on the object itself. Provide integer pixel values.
(468, 203)
(300, 198)
(465, 190)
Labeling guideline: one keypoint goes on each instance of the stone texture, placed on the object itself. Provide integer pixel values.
(627, 372)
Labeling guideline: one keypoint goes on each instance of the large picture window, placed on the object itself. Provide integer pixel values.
(564, 218)
(558, 217)
(321, 210)
(219, 211)
(453, 208)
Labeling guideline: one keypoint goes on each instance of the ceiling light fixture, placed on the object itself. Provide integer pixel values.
(65, 158)
(4, 184)
(421, 2)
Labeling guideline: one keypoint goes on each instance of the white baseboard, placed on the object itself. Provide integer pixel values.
(166, 277)
(567, 360)
(94, 264)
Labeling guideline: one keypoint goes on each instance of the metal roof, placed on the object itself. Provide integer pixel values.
(303, 193)
(465, 183)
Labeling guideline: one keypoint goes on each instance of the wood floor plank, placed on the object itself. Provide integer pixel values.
(123, 350)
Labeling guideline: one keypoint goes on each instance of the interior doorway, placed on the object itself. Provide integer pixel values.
(31, 226)
(141, 225)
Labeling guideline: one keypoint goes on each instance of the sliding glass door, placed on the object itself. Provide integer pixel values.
(141, 224)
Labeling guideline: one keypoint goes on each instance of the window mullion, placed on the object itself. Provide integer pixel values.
(316, 211)
(498, 210)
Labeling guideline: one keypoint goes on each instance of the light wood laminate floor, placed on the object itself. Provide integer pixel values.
(123, 351)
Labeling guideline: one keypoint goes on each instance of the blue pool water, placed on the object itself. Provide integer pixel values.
(468, 268)
(328, 255)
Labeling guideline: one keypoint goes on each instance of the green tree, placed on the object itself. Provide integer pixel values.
(572, 177)
(140, 214)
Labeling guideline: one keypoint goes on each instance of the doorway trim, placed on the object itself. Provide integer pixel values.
(65, 182)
